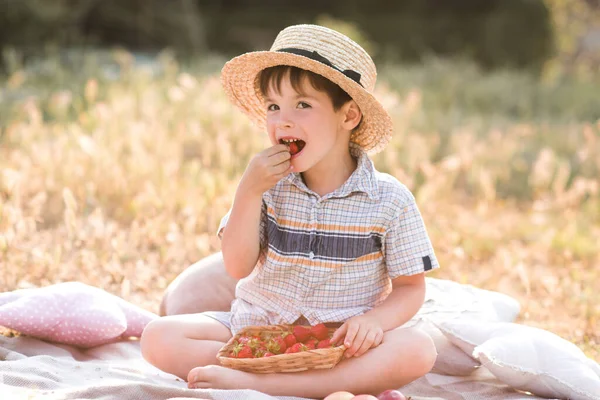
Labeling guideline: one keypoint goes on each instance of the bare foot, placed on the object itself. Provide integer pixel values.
(217, 377)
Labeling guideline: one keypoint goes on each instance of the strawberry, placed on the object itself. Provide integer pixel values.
(243, 339)
(324, 344)
(245, 352)
(255, 343)
(312, 343)
(276, 345)
(235, 350)
(289, 340)
(319, 331)
(268, 354)
(296, 348)
(301, 333)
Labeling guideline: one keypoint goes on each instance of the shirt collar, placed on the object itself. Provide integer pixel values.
(362, 179)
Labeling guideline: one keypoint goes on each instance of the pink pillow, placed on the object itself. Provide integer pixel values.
(72, 313)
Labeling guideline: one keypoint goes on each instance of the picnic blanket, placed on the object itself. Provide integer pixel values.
(31, 368)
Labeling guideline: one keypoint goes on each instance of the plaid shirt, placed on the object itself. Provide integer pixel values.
(333, 257)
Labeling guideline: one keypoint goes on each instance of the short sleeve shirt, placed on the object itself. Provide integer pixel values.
(333, 257)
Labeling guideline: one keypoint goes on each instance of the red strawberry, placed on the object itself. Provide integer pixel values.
(298, 347)
(245, 352)
(243, 339)
(311, 343)
(324, 344)
(276, 345)
(289, 340)
(301, 333)
(235, 350)
(268, 354)
(319, 331)
(260, 352)
(255, 343)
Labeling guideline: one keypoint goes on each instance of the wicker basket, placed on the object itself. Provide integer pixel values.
(292, 362)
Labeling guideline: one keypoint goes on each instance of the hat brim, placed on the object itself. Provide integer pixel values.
(239, 77)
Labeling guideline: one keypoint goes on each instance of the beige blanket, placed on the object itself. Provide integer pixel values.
(32, 369)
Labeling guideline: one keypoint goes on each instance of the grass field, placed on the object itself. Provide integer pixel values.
(117, 173)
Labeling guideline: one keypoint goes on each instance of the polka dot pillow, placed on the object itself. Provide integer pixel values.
(72, 313)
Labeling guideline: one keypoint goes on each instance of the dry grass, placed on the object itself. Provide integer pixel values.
(120, 183)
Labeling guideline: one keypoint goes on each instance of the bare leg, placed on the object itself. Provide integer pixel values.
(178, 343)
(404, 355)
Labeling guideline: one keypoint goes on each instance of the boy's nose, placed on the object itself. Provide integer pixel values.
(285, 123)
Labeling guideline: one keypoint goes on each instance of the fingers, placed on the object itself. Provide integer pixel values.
(281, 169)
(350, 336)
(275, 162)
(338, 335)
(368, 343)
(278, 148)
(357, 340)
(280, 157)
(378, 339)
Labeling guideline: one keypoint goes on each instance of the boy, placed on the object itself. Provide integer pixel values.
(315, 233)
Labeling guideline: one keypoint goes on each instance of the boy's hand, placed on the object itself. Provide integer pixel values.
(266, 169)
(358, 334)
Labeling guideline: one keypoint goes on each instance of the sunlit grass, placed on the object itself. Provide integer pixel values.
(116, 174)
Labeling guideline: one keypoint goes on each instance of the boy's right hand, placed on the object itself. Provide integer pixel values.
(266, 169)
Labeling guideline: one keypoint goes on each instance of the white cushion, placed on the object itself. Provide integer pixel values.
(528, 358)
(447, 300)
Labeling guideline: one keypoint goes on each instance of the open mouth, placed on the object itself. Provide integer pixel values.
(295, 145)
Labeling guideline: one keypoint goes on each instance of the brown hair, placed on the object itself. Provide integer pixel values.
(275, 75)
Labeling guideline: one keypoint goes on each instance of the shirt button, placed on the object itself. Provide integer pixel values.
(311, 255)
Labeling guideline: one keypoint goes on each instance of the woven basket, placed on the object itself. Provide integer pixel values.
(292, 362)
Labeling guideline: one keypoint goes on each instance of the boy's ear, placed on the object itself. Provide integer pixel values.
(351, 114)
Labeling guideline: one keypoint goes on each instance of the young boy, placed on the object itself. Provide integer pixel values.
(315, 233)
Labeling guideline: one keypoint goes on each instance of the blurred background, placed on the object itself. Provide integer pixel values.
(119, 152)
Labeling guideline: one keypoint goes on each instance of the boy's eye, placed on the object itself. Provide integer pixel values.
(273, 107)
(303, 105)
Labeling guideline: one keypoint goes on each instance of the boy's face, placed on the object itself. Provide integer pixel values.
(307, 122)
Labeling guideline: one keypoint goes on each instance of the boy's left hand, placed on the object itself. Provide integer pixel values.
(359, 334)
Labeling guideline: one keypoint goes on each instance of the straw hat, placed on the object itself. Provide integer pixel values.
(322, 51)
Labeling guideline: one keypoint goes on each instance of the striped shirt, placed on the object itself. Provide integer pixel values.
(330, 258)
